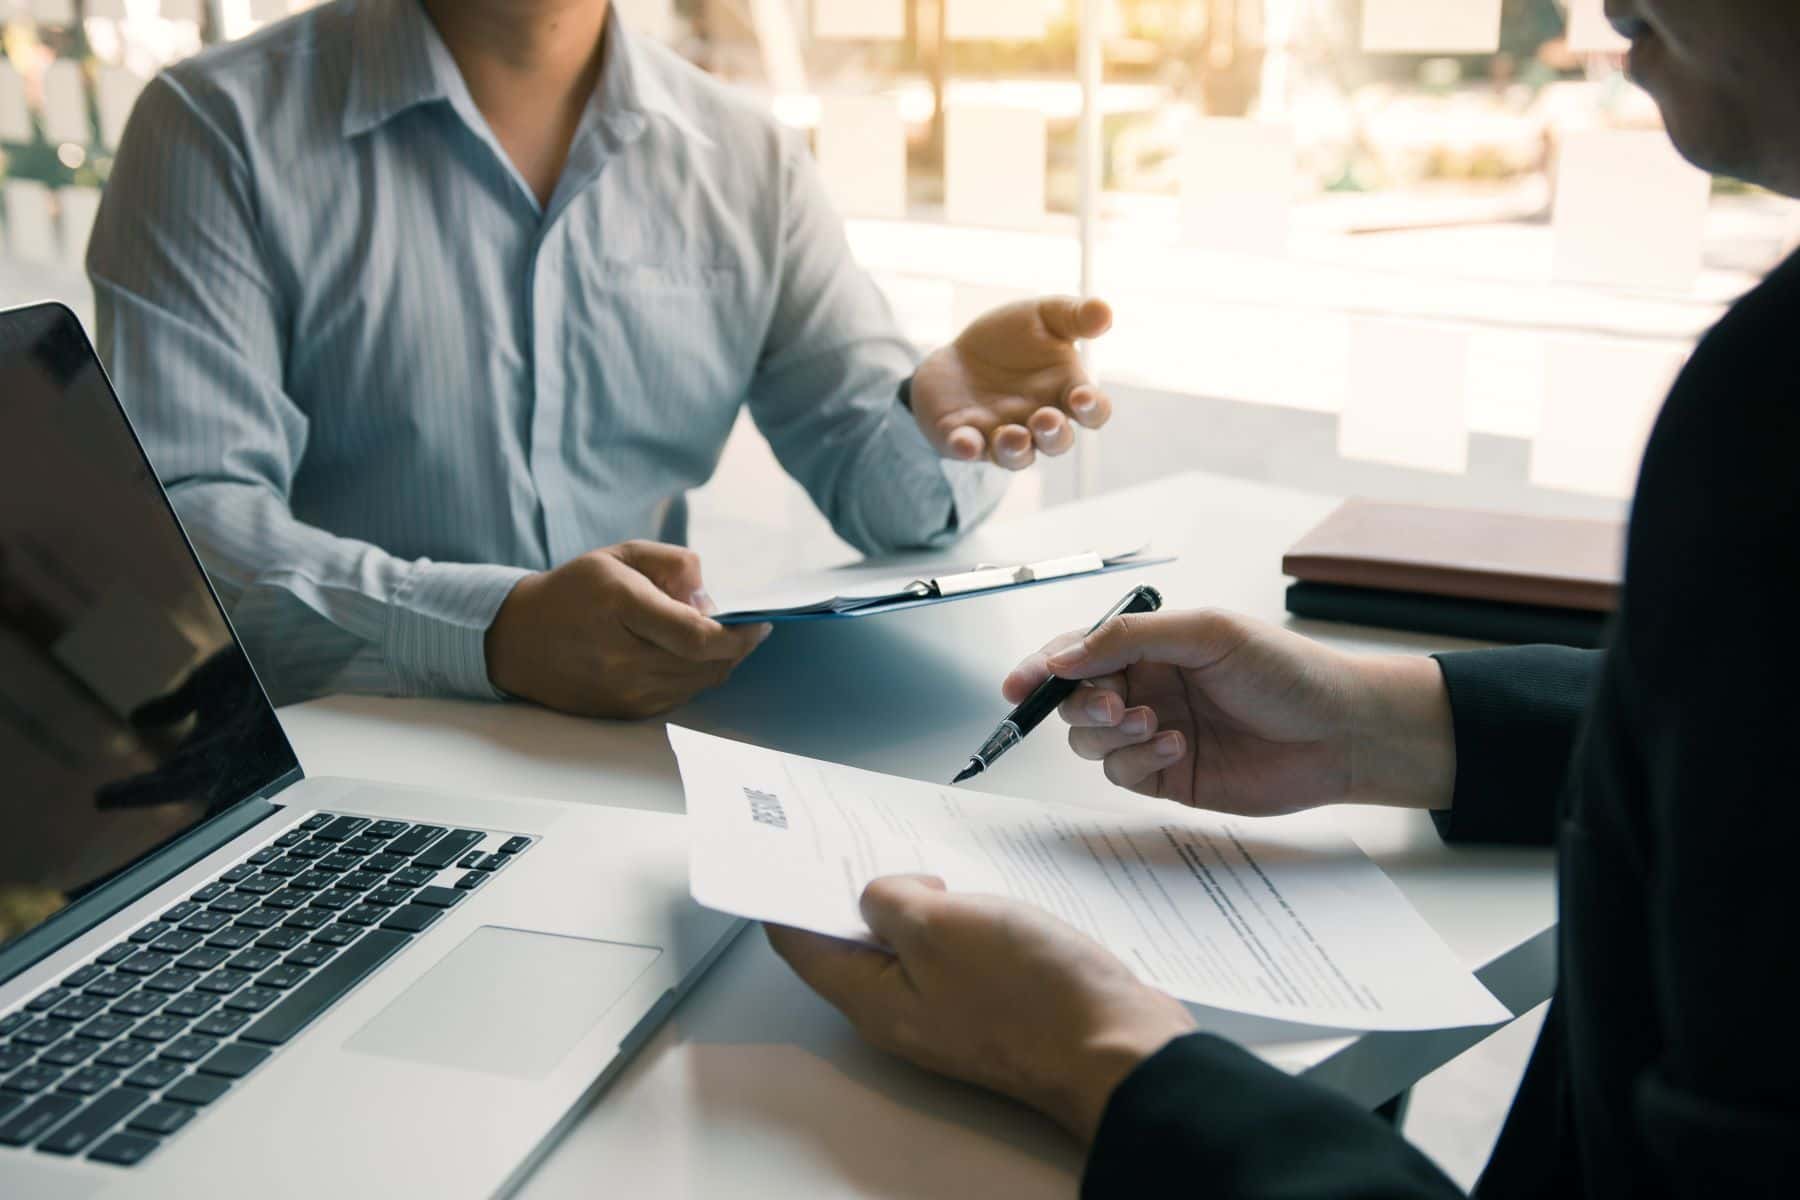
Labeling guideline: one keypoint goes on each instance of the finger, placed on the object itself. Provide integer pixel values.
(678, 629)
(1051, 431)
(1097, 704)
(1088, 405)
(851, 978)
(898, 909)
(1193, 640)
(1134, 729)
(1011, 447)
(1070, 319)
(674, 569)
(1025, 678)
(965, 443)
(1135, 766)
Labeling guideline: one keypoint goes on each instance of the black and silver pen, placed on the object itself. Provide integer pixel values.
(1050, 693)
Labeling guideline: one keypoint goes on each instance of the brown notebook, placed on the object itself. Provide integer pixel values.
(1508, 558)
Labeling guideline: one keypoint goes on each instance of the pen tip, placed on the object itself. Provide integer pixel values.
(968, 772)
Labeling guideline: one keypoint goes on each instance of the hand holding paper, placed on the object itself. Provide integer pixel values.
(1297, 925)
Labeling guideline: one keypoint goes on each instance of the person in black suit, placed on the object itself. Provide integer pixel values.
(1662, 769)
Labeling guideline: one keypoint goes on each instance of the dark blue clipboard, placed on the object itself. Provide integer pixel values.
(878, 608)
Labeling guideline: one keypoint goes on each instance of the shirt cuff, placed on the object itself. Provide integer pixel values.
(437, 631)
(923, 500)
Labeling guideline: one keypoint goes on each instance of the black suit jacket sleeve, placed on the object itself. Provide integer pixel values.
(1516, 714)
(1206, 1118)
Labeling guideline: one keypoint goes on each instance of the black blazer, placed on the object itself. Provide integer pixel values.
(1665, 771)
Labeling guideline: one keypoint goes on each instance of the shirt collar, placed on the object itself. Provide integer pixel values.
(400, 62)
(397, 62)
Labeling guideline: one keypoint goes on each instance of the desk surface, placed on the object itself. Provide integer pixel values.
(755, 1088)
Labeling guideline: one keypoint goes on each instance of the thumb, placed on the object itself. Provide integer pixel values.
(1191, 640)
(675, 570)
(896, 908)
(1071, 319)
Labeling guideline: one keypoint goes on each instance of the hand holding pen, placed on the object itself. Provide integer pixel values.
(1049, 694)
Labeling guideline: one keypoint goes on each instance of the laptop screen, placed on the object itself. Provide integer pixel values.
(128, 714)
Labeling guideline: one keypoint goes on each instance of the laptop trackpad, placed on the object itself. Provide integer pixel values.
(506, 1002)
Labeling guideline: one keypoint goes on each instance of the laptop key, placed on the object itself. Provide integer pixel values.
(223, 1023)
(361, 881)
(138, 1004)
(234, 1061)
(262, 918)
(362, 914)
(102, 1113)
(127, 1053)
(115, 954)
(335, 900)
(88, 1081)
(12, 1021)
(286, 868)
(384, 863)
(281, 977)
(492, 862)
(310, 851)
(316, 881)
(188, 1048)
(311, 955)
(253, 999)
(155, 1074)
(413, 877)
(10, 1101)
(471, 860)
(209, 893)
(145, 962)
(198, 1090)
(203, 959)
(282, 939)
(514, 845)
(472, 880)
(232, 939)
(337, 935)
(161, 1118)
(238, 873)
(190, 1005)
(45, 1001)
(41, 1032)
(329, 983)
(445, 850)
(363, 845)
(292, 837)
(307, 920)
(260, 885)
(80, 977)
(104, 1029)
(339, 862)
(34, 1078)
(111, 986)
(78, 1008)
(414, 918)
(175, 979)
(233, 904)
(180, 912)
(254, 960)
(17, 1056)
(176, 941)
(224, 981)
(263, 857)
(207, 922)
(316, 821)
(415, 839)
(124, 1149)
(148, 933)
(387, 829)
(70, 1052)
(158, 1029)
(342, 829)
(288, 899)
(390, 896)
(36, 1119)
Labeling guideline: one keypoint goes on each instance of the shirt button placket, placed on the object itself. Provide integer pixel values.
(548, 397)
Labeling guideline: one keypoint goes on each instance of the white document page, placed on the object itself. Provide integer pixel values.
(1295, 924)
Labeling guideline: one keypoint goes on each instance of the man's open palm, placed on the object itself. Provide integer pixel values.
(1010, 385)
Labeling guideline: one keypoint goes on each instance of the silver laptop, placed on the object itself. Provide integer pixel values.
(219, 976)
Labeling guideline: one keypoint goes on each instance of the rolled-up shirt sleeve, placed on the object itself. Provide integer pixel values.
(191, 325)
(826, 390)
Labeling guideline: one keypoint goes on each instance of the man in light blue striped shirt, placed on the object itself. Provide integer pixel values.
(429, 315)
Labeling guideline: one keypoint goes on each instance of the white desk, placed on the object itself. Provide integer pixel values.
(756, 1088)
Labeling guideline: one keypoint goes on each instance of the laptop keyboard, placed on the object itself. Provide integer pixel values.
(126, 1050)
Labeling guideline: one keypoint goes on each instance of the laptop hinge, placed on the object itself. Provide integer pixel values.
(148, 874)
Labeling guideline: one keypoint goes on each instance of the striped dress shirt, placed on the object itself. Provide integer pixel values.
(382, 382)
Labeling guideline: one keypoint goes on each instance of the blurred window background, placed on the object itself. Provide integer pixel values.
(1427, 249)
